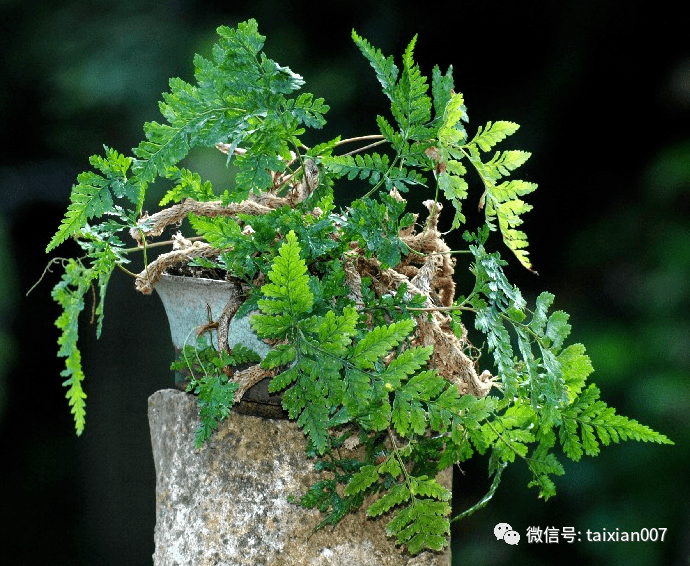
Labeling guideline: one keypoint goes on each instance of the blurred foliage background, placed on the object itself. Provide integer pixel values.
(602, 91)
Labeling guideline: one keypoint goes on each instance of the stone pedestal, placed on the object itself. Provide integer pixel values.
(226, 504)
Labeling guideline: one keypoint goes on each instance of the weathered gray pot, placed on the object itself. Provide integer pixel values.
(191, 302)
(226, 504)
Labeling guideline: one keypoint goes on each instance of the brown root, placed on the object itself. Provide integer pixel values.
(224, 323)
(432, 277)
(151, 226)
(148, 277)
(249, 377)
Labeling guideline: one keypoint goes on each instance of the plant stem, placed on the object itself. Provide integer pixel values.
(127, 271)
(450, 308)
(365, 148)
(360, 138)
(157, 245)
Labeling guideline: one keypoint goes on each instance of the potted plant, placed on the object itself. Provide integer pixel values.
(364, 332)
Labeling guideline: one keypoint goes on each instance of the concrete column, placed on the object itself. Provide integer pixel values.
(226, 504)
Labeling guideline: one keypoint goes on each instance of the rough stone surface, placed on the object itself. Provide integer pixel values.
(225, 505)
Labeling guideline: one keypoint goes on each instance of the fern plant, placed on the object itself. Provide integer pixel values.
(369, 337)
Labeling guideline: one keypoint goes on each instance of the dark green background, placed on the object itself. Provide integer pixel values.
(602, 91)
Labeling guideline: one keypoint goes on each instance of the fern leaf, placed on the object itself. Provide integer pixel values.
(493, 133)
(282, 380)
(406, 364)
(75, 394)
(220, 232)
(422, 525)
(451, 131)
(370, 167)
(390, 133)
(313, 421)
(379, 342)
(510, 190)
(508, 215)
(505, 162)
(92, 196)
(599, 423)
(280, 355)
(541, 308)
(288, 291)
(188, 185)
(386, 71)
(429, 487)
(273, 326)
(358, 392)
(391, 466)
(454, 189)
(394, 496)
(376, 226)
(557, 330)
(366, 476)
(324, 495)
(69, 294)
(373, 167)
(441, 88)
(407, 414)
(335, 332)
(307, 110)
(425, 385)
(410, 105)
(544, 464)
(576, 368)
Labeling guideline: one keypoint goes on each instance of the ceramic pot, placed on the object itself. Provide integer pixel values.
(191, 302)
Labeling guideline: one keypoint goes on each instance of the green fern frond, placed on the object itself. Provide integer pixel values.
(544, 464)
(281, 355)
(93, 194)
(379, 342)
(307, 110)
(406, 364)
(576, 368)
(449, 134)
(493, 133)
(441, 88)
(396, 495)
(336, 332)
(314, 420)
(220, 232)
(219, 108)
(365, 477)
(386, 70)
(288, 292)
(501, 201)
(375, 168)
(422, 525)
(187, 185)
(215, 398)
(599, 423)
(454, 188)
(324, 495)
(376, 226)
(69, 294)
(411, 106)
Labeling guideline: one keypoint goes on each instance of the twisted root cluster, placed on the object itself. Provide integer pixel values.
(427, 270)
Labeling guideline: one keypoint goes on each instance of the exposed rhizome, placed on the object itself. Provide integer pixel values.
(426, 270)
